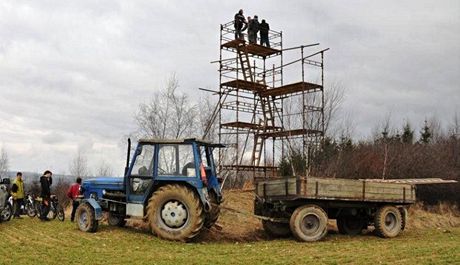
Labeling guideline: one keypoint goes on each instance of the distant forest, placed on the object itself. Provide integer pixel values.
(391, 154)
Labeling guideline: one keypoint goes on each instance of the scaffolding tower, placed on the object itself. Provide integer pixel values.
(261, 118)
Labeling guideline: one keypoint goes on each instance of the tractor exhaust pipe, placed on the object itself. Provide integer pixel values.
(128, 152)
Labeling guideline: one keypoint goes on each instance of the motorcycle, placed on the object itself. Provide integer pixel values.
(30, 205)
(6, 210)
(56, 209)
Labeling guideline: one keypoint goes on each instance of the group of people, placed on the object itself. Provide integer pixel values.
(46, 180)
(253, 26)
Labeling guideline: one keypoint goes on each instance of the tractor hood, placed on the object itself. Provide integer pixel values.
(104, 181)
(96, 186)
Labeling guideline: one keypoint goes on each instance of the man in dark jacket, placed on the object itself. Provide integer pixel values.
(264, 28)
(240, 25)
(253, 28)
(45, 182)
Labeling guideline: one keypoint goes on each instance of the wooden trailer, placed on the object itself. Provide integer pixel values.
(302, 206)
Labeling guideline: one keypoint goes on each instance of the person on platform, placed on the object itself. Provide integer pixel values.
(253, 28)
(240, 25)
(264, 28)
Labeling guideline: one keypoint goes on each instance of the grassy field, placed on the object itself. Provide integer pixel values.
(29, 241)
(241, 241)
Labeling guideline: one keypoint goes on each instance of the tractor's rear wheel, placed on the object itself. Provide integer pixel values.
(86, 218)
(213, 215)
(309, 223)
(388, 221)
(175, 213)
(116, 220)
(350, 225)
(276, 229)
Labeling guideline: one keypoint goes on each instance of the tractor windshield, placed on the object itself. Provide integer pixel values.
(176, 160)
(143, 165)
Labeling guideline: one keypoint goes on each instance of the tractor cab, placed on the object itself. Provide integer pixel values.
(159, 162)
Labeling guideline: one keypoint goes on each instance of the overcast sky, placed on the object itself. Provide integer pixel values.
(72, 73)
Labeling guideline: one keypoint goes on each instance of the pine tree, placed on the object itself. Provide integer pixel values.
(425, 134)
(408, 134)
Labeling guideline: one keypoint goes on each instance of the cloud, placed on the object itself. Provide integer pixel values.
(73, 73)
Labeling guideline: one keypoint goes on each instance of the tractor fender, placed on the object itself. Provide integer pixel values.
(96, 207)
(204, 197)
(201, 192)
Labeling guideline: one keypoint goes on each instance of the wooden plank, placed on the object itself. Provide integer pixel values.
(421, 181)
(339, 189)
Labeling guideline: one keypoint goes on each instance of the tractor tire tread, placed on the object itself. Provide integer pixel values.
(196, 213)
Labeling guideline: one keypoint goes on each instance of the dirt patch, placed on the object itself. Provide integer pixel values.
(244, 227)
(236, 226)
(230, 226)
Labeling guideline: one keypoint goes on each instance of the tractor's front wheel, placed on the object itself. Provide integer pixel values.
(175, 213)
(86, 218)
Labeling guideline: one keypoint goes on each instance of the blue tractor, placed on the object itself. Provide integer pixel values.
(171, 184)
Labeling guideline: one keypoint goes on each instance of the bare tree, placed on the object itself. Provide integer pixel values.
(104, 169)
(79, 165)
(454, 128)
(435, 128)
(4, 163)
(170, 114)
(208, 126)
(333, 98)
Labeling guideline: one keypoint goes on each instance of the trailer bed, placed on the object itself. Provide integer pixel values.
(336, 190)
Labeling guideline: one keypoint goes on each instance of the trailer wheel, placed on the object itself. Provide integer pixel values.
(213, 215)
(86, 218)
(309, 223)
(349, 225)
(388, 221)
(276, 229)
(175, 213)
(404, 215)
